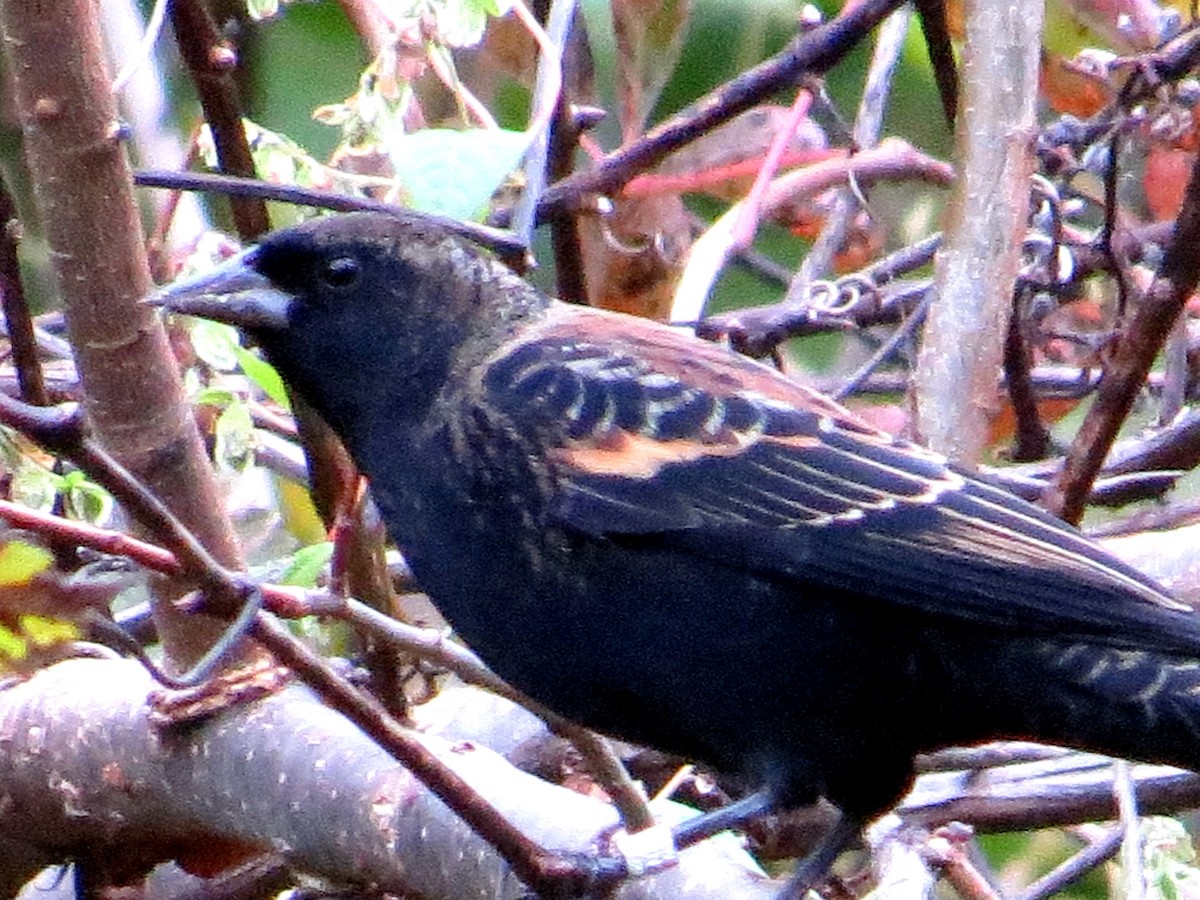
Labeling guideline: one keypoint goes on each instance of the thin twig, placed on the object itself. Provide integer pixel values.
(813, 52)
(1131, 843)
(21, 334)
(210, 62)
(867, 124)
(500, 242)
(1069, 872)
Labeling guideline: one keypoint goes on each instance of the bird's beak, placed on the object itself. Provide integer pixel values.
(235, 293)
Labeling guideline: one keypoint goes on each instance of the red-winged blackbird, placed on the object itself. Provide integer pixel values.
(674, 544)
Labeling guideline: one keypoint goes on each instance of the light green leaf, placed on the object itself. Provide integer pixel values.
(264, 375)
(234, 437)
(86, 499)
(43, 631)
(259, 10)
(12, 645)
(35, 487)
(455, 173)
(215, 344)
(214, 396)
(307, 565)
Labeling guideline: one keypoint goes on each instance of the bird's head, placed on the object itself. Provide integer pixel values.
(362, 309)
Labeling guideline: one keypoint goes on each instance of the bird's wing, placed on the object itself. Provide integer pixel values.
(655, 434)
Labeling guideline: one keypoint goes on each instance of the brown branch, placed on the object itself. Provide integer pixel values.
(1067, 790)
(757, 330)
(1032, 438)
(1141, 338)
(227, 594)
(21, 335)
(210, 61)
(91, 770)
(82, 185)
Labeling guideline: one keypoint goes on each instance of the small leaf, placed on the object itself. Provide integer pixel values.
(35, 487)
(234, 437)
(214, 396)
(455, 173)
(21, 561)
(86, 499)
(307, 565)
(214, 343)
(263, 374)
(46, 632)
(12, 645)
(300, 516)
(259, 10)
(462, 23)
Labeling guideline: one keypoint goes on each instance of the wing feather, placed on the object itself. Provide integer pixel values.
(649, 433)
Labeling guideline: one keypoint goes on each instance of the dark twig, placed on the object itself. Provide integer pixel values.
(210, 62)
(1032, 437)
(941, 53)
(912, 321)
(813, 52)
(1069, 872)
(1175, 59)
(502, 243)
(759, 329)
(431, 644)
(541, 870)
(1105, 239)
(21, 336)
(571, 120)
(62, 432)
(1067, 791)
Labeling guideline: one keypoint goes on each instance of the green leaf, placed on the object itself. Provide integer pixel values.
(214, 396)
(264, 375)
(12, 645)
(215, 344)
(258, 10)
(21, 561)
(234, 437)
(86, 499)
(43, 631)
(35, 487)
(455, 173)
(307, 565)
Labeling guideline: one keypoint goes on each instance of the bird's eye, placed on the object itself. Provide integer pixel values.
(340, 272)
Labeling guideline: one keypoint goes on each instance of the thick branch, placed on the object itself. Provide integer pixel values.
(85, 767)
(134, 396)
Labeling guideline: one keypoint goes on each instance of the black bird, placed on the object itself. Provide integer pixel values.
(679, 546)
